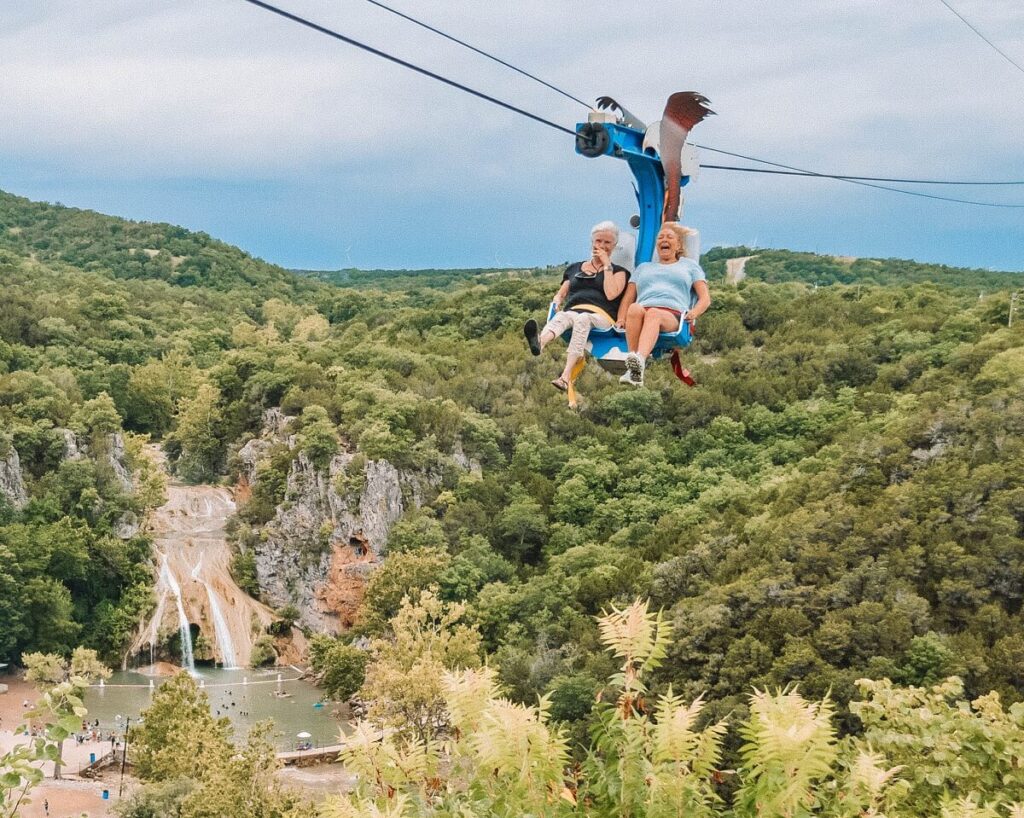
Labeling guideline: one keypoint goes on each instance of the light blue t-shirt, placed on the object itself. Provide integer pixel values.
(667, 285)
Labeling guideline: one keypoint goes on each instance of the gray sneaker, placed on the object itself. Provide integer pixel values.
(634, 370)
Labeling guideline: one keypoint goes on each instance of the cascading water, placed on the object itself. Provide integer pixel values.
(188, 659)
(194, 567)
(220, 625)
(221, 630)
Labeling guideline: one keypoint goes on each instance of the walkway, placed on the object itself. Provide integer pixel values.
(328, 752)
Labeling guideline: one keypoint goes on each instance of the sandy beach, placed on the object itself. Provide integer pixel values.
(71, 796)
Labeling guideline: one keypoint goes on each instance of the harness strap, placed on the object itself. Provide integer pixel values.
(595, 310)
(577, 370)
(681, 373)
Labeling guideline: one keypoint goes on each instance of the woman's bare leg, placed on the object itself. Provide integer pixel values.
(655, 322)
(634, 322)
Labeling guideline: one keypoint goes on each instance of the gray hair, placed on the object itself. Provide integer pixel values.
(611, 227)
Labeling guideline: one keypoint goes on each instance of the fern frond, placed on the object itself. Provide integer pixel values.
(517, 750)
(674, 738)
(708, 755)
(790, 744)
(967, 807)
(347, 807)
(640, 638)
(868, 776)
(468, 694)
(382, 763)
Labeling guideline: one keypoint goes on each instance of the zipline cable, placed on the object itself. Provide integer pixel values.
(515, 109)
(479, 51)
(977, 31)
(566, 94)
(856, 180)
(398, 61)
(851, 180)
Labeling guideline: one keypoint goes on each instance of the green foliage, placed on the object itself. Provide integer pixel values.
(572, 697)
(65, 582)
(196, 438)
(243, 571)
(414, 531)
(843, 483)
(318, 438)
(269, 488)
(48, 670)
(403, 575)
(190, 768)
(178, 733)
(340, 667)
(263, 652)
(663, 759)
(404, 679)
(944, 744)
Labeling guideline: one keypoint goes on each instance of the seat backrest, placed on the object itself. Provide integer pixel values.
(624, 253)
(692, 248)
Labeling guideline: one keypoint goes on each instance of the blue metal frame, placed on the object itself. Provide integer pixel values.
(628, 143)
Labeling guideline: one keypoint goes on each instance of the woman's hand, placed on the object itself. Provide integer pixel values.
(602, 259)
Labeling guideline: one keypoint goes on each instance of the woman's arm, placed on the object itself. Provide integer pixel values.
(563, 291)
(703, 300)
(614, 284)
(627, 300)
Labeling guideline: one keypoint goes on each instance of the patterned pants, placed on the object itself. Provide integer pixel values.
(580, 323)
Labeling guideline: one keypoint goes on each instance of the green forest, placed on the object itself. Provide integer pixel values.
(838, 504)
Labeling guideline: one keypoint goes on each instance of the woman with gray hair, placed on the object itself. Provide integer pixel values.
(589, 297)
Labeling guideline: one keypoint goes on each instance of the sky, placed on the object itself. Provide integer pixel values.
(219, 116)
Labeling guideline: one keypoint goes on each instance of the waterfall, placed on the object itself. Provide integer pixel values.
(220, 625)
(191, 553)
(187, 657)
(221, 630)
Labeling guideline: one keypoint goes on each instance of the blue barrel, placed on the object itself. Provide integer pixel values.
(106, 795)
(92, 758)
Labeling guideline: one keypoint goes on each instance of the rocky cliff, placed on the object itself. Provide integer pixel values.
(325, 539)
(12, 483)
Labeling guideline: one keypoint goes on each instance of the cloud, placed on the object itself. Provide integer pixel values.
(224, 94)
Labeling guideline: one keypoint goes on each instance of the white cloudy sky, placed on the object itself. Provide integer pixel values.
(222, 117)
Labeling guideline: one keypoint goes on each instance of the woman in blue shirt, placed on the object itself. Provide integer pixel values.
(660, 295)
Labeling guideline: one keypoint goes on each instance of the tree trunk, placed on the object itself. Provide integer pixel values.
(60, 758)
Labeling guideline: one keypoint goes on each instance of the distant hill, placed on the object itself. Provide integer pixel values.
(771, 266)
(127, 249)
(429, 278)
(777, 266)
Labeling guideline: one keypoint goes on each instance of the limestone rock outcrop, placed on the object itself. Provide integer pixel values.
(115, 455)
(328, 535)
(12, 483)
(12, 480)
(117, 459)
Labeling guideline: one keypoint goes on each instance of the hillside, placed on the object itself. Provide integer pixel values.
(840, 497)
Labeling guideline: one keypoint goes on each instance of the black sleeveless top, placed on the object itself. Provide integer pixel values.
(589, 289)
